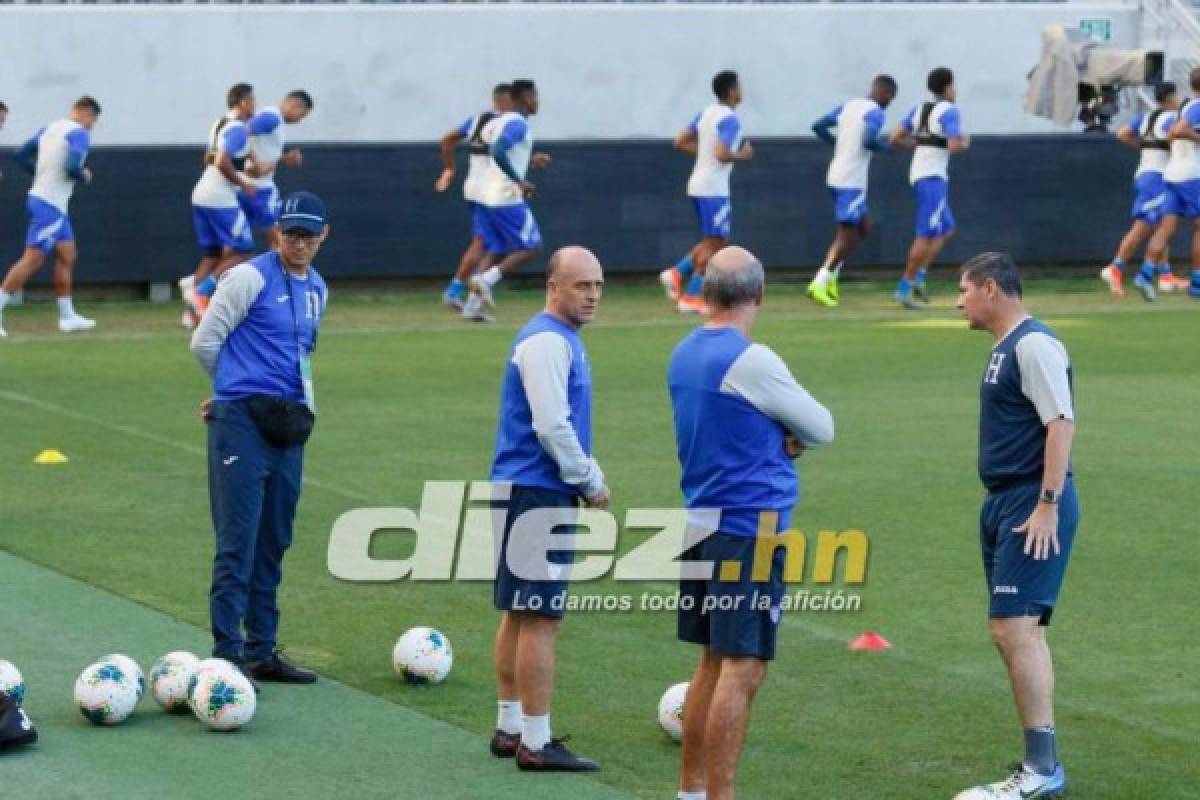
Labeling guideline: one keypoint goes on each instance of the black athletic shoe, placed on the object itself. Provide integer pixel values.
(504, 745)
(278, 669)
(16, 729)
(554, 757)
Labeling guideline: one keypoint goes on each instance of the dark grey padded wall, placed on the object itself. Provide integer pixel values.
(1047, 199)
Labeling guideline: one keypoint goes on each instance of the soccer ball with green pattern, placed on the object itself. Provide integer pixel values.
(220, 696)
(423, 655)
(169, 680)
(11, 682)
(105, 693)
(670, 710)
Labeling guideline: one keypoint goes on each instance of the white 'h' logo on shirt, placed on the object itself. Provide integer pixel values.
(993, 370)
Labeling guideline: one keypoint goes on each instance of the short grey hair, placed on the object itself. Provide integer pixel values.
(1000, 267)
(730, 288)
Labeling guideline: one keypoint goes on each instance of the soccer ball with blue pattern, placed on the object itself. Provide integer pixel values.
(130, 668)
(423, 655)
(105, 693)
(221, 696)
(169, 679)
(11, 682)
(670, 710)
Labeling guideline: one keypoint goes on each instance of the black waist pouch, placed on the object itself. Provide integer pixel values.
(282, 422)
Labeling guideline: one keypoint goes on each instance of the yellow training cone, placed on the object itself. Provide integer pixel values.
(50, 457)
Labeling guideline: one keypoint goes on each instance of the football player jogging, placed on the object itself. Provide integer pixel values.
(55, 155)
(859, 124)
(934, 131)
(543, 458)
(268, 149)
(1031, 512)
(714, 137)
(470, 131)
(740, 420)
(510, 232)
(1182, 174)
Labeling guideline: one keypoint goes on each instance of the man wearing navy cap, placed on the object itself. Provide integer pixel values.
(255, 343)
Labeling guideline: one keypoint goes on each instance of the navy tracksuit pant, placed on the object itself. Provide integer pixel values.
(254, 488)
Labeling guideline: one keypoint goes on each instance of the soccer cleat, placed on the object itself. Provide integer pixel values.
(1022, 784)
(672, 283)
(821, 296)
(1146, 287)
(907, 301)
(1112, 276)
(1168, 283)
(554, 757)
(504, 745)
(188, 319)
(75, 323)
(277, 669)
(483, 290)
(200, 304)
(920, 292)
(690, 304)
(455, 301)
(832, 287)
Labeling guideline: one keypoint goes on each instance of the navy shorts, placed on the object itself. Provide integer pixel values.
(739, 617)
(535, 586)
(1020, 586)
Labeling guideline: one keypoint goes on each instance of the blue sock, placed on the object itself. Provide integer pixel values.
(694, 284)
(1119, 263)
(1149, 268)
(206, 287)
(456, 288)
(685, 267)
(904, 288)
(920, 279)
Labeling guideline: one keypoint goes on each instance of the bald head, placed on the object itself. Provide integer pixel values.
(568, 259)
(733, 278)
(574, 282)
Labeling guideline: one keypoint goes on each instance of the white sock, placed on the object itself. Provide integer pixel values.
(535, 732)
(508, 718)
(66, 309)
(4, 298)
(491, 276)
(691, 796)
(473, 305)
(822, 277)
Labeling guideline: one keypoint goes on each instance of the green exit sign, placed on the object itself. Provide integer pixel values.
(1100, 28)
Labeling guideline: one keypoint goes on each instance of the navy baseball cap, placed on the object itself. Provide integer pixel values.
(303, 210)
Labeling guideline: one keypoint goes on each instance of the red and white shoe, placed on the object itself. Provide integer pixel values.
(1112, 276)
(689, 304)
(1168, 282)
(672, 283)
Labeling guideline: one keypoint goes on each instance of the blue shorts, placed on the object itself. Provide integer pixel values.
(1183, 199)
(261, 208)
(220, 228)
(934, 218)
(507, 229)
(1020, 586)
(741, 621)
(47, 225)
(1149, 197)
(715, 215)
(542, 587)
(849, 205)
(477, 221)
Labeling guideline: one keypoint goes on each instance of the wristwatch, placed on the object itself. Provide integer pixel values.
(1050, 496)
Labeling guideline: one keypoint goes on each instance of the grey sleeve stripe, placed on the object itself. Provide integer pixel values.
(236, 292)
(1043, 362)
(762, 378)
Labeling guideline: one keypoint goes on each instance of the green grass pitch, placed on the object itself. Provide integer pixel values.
(409, 394)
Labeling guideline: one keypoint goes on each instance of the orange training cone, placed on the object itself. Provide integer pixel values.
(870, 641)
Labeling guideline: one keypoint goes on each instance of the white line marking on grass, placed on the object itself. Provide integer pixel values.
(138, 433)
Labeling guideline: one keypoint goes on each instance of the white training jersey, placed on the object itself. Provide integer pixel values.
(267, 141)
(717, 124)
(213, 190)
(479, 159)
(931, 157)
(1152, 128)
(496, 188)
(851, 160)
(1182, 164)
(51, 182)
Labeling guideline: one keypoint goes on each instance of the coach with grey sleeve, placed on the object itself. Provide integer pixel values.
(255, 342)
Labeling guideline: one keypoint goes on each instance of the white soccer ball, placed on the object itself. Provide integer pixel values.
(423, 655)
(670, 710)
(201, 666)
(105, 693)
(131, 668)
(11, 682)
(221, 696)
(169, 678)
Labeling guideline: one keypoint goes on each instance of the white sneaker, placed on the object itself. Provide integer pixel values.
(1022, 784)
(75, 323)
(483, 290)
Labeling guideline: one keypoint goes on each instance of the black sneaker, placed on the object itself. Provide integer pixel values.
(16, 729)
(278, 669)
(240, 663)
(504, 745)
(554, 757)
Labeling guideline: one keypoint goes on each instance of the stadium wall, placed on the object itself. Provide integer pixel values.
(406, 73)
(1047, 199)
